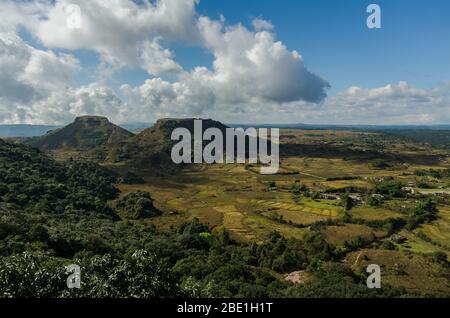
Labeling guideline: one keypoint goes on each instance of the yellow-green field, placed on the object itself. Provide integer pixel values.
(417, 245)
(338, 235)
(414, 272)
(227, 196)
(439, 231)
(238, 198)
(374, 214)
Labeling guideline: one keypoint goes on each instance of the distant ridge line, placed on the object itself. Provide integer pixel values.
(30, 130)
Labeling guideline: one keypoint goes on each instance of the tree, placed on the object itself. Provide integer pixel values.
(137, 205)
(375, 200)
(424, 212)
(347, 202)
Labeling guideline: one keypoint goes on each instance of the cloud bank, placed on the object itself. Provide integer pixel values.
(253, 77)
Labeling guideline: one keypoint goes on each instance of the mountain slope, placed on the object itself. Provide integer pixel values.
(86, 132)
(152, 147)
(159, 135)
(32, 181)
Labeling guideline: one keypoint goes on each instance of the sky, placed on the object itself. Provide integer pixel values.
(252, 61)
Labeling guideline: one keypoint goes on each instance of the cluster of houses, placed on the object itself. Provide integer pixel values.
(335, 197)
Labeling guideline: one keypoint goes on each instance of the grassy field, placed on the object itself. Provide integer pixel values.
(414, 272)
(415, 244)
(439, 231)
(237, 197)
(250, 205)
(374, 214)
(429, 238)
(338, 235)
(218, 195)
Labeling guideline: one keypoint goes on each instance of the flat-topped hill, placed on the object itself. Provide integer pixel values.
(86, 132)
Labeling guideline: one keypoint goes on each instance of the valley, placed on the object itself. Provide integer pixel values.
(250, 205)
(367, 197)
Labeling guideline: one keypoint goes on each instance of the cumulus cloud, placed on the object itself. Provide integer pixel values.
(28, 75)
(158, 98)
(393, 103)
(261, 24)
(61, 107)
(49, 71)
(14, 14)
(254, 66)
(399, 103)
(157, 60)
(248, 68)
(123, 32)
(254, 77)
(247, 64)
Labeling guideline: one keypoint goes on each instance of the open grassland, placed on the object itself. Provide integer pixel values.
(396, 143)
(232, 197)
(431, 237)
(374, 214)
(322, 171)
(338, 235)
(239, 198)
(219, 195)
(411, 271)
(251, 206)
(439, 231)
(417, 245)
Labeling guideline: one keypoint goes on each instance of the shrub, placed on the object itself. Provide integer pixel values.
(137, 205)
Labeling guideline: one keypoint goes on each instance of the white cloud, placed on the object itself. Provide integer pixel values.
(393, 103)
(48, 71)
(28, 75)
(60, 107)
(157, 98)
(254, 66)
(156, 60)
(253, 78)
(123, 32)
(399, 103)
(261, 24)
(249, 68)
(248, 65)
(14, 14)
(14, 57)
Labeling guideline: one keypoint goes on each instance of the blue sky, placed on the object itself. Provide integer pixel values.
(189, 58)
(413, 44)
(332, 36)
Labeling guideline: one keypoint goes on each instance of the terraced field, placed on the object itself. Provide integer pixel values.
(250, 206)
(238, 198)
(221, 196)
(306, 207)
(374, 214)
